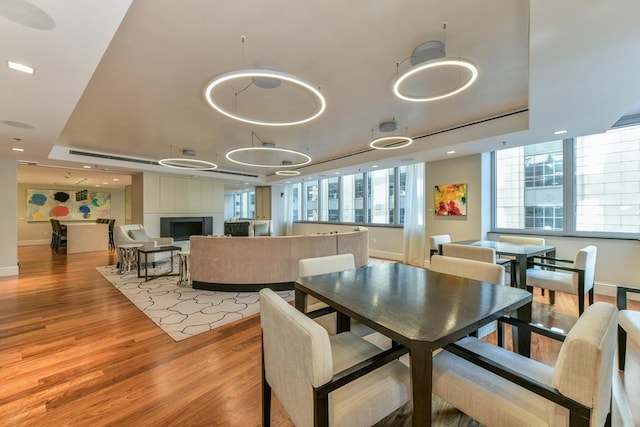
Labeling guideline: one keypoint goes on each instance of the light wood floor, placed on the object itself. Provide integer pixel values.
(75, 351)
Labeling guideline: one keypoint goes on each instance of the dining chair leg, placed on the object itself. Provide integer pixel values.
(552, 297)
(266, 397)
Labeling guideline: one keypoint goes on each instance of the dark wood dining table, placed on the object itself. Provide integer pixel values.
(418, 308)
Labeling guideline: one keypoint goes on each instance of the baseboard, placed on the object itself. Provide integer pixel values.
(34, 242)
(386, 255)
(9, 271)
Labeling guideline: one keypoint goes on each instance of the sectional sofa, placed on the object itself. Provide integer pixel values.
(252, 263)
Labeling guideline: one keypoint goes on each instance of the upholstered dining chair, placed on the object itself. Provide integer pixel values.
(471, 269)
(518, 240)
(322, 380)
(60, 232)
(497, 387)
(577, 278)
(477, 253)
(628, 393)
(436, 241)
(325, 265)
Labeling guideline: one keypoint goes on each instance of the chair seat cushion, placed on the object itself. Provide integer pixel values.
(629, 320)
(370, 398)
(490, 399)
(553, 280)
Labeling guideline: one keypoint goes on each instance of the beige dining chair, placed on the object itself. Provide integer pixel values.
(577, 278)
(324, 265)
(518, 240)
(627, 387)
(471, 269)
(497, 387)
(323, 380)
(477, 253)
(436, 241)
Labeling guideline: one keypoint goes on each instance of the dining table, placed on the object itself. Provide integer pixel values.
(417, 308)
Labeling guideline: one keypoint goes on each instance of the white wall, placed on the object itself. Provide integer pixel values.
(8, 219)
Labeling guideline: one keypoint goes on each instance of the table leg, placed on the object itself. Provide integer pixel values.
(300, 300)
(421, 382)
(522, 339)
(343, 322)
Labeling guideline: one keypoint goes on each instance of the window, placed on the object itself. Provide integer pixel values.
(602, 196)
(244, 205)
(362, 198)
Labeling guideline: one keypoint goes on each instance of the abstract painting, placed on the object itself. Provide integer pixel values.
(450, 199)
(67, 205)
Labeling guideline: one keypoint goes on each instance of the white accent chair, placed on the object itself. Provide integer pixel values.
(518, 240)
(436, 241)
(476, 253)
(135, 233)
(314, 307)
(626, 402)
(471, 269)
(577, 279)
(499, 388)
(322, 380)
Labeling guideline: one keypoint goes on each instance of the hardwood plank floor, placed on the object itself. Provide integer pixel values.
(75, 351)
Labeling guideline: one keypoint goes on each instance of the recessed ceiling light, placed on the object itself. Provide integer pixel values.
(451, 152)
(97, 185)
(560, 132)
(105, 183)
(17, 149)
(20, 67)
(337, 173)
(374, 166)
(116, 179)
(86, 167)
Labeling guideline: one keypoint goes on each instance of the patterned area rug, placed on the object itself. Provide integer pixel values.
(183, 312)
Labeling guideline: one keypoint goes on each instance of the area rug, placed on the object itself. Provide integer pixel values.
(182, 312)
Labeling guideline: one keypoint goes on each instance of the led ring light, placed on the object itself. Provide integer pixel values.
(432, 64)
(403, 141)
(263, 75)
(262, 165)
(188, 164)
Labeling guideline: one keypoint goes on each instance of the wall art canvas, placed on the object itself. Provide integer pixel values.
(67, 205)
(450, 199)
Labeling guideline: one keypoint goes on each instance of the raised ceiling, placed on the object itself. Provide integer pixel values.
(125, 79)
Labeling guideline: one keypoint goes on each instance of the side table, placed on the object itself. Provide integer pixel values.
(143, 264)
(128, 257)
(183, 263)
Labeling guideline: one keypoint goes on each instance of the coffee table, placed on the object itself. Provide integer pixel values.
(152, 250)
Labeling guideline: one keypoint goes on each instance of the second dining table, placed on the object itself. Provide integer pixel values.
(418, 308)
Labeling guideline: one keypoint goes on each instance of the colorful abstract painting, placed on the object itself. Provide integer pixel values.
(67, 205)
(450, 199)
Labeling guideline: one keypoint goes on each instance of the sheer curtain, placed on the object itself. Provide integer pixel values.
(414, 221)
(288, 211)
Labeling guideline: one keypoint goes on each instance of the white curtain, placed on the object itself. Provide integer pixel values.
(415, 240)
(288, 211)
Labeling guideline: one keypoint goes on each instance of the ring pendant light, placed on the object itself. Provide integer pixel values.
(231, 153)
(187, 164)
(389, 142)
(267, 79)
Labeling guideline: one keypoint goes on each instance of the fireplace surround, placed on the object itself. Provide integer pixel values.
(183, 227)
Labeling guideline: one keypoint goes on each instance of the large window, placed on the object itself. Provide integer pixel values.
(362, 198)
(586, 185)
(244, 204)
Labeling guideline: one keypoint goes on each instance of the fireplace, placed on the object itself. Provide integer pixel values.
(183, 227)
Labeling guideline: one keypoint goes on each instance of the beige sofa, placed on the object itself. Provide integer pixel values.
(252, 263)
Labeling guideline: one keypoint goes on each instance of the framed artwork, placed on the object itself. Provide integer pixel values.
(67, 205)
(450, 200)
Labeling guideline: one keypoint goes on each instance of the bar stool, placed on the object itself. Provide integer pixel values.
(128, 257)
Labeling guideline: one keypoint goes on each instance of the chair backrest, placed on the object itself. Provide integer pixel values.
(297, 355)
(584, 367)
(469, 252)
(471, 269)
(521, 240)
(437, 240)
(586, 259)
(326, 264)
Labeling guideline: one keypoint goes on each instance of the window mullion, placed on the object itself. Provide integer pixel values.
(569, 185)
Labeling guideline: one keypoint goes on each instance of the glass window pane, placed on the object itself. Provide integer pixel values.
(311, 201)
(608, 181)
(380, 182)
